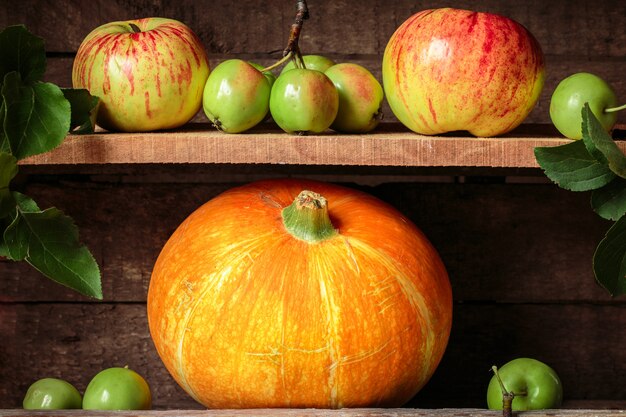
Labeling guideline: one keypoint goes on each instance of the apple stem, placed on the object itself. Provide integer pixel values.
(614, 109)
(292, 51)
(134, 27)
(299, 60)
(507, 397)
(279, 62)
(302, 13)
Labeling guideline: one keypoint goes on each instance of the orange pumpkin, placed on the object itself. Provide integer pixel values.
(269, 297)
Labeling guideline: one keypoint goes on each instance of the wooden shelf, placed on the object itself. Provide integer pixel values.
(346, 412)
(390, 145)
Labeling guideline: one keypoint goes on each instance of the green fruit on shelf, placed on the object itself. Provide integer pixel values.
(51, 394)
(570, 96)
(360, 98)
(304, 100)
(117, 389)
(535, 385)
(236, 96)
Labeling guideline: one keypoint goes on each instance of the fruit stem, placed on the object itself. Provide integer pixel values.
(293, 48)
(302, 13)
(299, 61)
(292, 51)
(614, 109)
(134, 27)
(307, 218)
(507, 396)
(279, 62)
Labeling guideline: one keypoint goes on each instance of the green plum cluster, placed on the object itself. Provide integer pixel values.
(111, 389)
(310, 95)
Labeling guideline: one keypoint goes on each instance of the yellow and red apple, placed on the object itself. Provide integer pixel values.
(451, 69)
(360, 98)
(148, 73)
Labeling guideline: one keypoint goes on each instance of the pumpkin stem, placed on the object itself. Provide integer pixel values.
(307, 218)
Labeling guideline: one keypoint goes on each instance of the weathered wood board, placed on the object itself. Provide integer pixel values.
(93, 336)
(340, 27)
(389, 145)
(573, 36)
(491, 236)
(518, 256)
(517, 248)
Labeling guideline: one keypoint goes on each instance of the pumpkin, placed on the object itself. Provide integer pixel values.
(291, 293)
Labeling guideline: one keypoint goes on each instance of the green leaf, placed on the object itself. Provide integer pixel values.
(48, 240)
(23, 203)
(5, 146)
(609, 260)
(22, 52)
(8, 170)
(84, 107)
(18, 250)
(37, 116)
(600, 144)
(572, 167)
(609, 202)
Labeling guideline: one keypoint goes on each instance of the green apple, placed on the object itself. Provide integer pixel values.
(535, 386)
(117, 389)
(236, 96)
(360, 98)
(572, 93)
(304, 100)
(51, 394)
(314, 62)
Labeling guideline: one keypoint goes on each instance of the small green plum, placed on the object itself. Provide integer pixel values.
(304, 100)
(572, 93)
(236, 96)
(360, 98)
(117, 389)
(52, 394)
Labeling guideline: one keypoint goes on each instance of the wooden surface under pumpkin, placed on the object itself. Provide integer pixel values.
(517, 248)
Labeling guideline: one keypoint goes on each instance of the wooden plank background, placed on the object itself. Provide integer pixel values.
(517, 248)
(518, 256)
(574, 36)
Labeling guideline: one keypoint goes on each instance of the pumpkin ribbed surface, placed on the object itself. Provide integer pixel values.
(244, 314)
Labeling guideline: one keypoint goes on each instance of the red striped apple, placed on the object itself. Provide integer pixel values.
(148, 73)
(450, 69)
